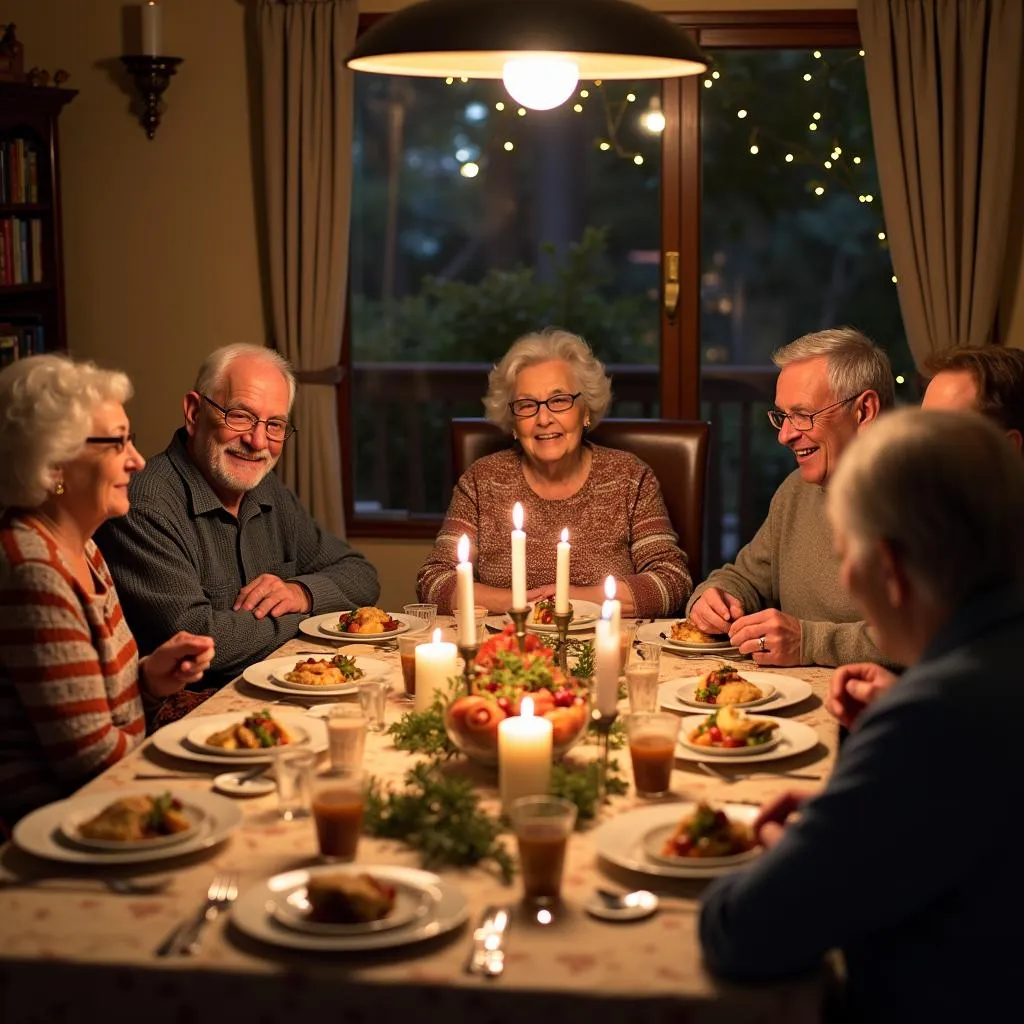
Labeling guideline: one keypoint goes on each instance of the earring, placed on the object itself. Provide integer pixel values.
(59, 489)
(515, 436)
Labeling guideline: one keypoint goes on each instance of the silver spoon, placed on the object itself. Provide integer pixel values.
(640, 899)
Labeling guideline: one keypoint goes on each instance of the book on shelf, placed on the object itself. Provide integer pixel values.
(19, 171)
(21, 336)
(21, 250)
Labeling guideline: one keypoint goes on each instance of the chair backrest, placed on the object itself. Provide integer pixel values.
(676, 451)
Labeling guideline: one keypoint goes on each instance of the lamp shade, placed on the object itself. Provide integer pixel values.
(605, 39)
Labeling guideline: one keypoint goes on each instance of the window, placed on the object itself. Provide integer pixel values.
(474, 223)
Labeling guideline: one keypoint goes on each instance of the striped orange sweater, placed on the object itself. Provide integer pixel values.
(69, 698)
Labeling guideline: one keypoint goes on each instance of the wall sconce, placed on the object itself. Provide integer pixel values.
(152, 76)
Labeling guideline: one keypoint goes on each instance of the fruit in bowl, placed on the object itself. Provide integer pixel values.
(504, 677)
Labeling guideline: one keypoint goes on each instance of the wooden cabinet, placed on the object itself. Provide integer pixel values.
(31, 263)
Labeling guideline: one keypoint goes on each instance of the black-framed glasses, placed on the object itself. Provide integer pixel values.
(804, 420)
(117, 439)
(242, 421)
(523, 408)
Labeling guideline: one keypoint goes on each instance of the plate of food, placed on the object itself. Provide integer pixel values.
(141, 821)
(351, 902)
(188, 737)
(626, 840)
(785, 740)
(671, 636)
(272, 675)
(542, 615)
(44, 832)
(778, 691)
(730, 732)
(705, 837)
(725, 685)
(256, 912)
(257, 731)
(364, 625)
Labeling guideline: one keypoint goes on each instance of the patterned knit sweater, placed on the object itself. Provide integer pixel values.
(617, 524)
(69, 699)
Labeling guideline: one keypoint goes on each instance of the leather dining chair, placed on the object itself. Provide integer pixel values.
(676, 451)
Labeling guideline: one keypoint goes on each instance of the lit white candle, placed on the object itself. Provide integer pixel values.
(524, 755)
(518, 559)
(151, 28)
(464, 592)
(606, 656)
(612, 609)
(436, 663)
(562, 574)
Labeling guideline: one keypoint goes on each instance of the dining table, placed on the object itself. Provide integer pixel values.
(71, 947)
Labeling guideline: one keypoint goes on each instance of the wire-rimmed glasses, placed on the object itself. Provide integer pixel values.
(524, 408)
(242, 421)
(803, 421)
(121, 440)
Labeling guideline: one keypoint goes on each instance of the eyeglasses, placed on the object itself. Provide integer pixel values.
(803, 420)
(524, 408)
(118, 439)
(242, 421)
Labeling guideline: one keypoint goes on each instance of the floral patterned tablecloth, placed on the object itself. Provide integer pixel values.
(68, 947)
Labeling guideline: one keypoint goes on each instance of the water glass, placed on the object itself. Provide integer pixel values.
(480, 614)
(642, 676)
(339, 800)
(652, 748)
(293, 769)
(346, 737)
(542, 826)
(629, 629)
(407, 644)
(373, 695)
(426, 612)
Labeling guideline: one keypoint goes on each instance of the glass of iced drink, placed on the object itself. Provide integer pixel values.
(652, 739)
(339, 798)
(542, 826)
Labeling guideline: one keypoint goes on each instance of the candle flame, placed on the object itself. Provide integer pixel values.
(463, 548)
(526, 708)
(565, 534)
(436, 638)
(517, 516)
(609, 587)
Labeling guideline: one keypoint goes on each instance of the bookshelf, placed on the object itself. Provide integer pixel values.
(31, 260)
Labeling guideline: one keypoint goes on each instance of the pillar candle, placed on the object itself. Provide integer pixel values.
(562, 574)
(464, 592)
(613, 607)
(524, 755)
(151, 40)
(606, 656)
(518, 559)
(436, 663)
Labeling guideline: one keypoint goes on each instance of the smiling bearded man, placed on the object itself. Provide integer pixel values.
(214, 541)
(781, 601)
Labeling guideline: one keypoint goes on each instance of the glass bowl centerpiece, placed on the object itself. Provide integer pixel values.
(504, 675)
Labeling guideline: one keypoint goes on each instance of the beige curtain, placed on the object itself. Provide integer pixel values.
(307, 110)
(943, 80)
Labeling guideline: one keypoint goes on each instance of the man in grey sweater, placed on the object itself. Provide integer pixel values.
(781, 602)
(214, 542)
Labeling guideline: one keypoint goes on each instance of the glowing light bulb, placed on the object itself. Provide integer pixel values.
(789, 158)
(819, 191)
(715, 75)
(900, 379)
(817, 54)
(469, 170)
(754, 150)
(881, 236)
(652, 118)
(638, 159)
(741, 114)
(540, 83)
(807, 77)
(509, 146)
(707, 83)
(893, 278)
(604, 147)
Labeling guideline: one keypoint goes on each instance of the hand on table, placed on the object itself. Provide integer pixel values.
(714, 610)
(271, 595)
(770, 823)
(175, 664)
(853, 687)
(782, 635)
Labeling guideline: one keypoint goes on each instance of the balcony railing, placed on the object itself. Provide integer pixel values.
(403, 462)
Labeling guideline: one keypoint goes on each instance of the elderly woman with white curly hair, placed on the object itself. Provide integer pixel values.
(547, 390)
(72, 688)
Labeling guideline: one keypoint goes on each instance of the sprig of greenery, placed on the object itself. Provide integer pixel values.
(441, 818)
(423, 732)
(582, 785)
(584, 653)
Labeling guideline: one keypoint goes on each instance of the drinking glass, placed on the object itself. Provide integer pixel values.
(407, 644)
(346, 737)
(293, 769)
(373, 695)
(628, 632)
(339, 799)
(542, 826)
(642, 676)
(426, 612)
(480, 622)
(652, 739)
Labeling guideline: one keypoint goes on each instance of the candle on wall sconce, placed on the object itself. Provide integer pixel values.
(152, 71)
(151, 29)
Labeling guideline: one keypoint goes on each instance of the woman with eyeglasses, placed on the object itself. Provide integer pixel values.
(547, 390)
(73, 692)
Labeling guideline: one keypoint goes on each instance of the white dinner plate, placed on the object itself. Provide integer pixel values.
(654, 842)
(198, 739)
(788, 691)
(584, 615)
(70, 828)
(447, 910)
(651, 633)
(327, 625)
(269, 676)
(620, 840)
(732, 753)
(39, 833)
(688, 689)
(172, 739)
(793, 738)
(291, 908)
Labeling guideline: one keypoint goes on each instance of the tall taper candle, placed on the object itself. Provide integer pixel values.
(151, 41)
(464, 591)
(518, 559)
(606, 655)
(562, 574)
(613, 607)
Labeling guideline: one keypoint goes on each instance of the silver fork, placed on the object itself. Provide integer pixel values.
(221, 894)
(716, 774)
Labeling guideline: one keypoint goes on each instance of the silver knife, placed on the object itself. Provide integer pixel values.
(487, 957)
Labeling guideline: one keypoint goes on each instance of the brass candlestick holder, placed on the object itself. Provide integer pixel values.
(518, 617)
(152, 76)
(468, 653)
(562, 620)
(603, 723)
